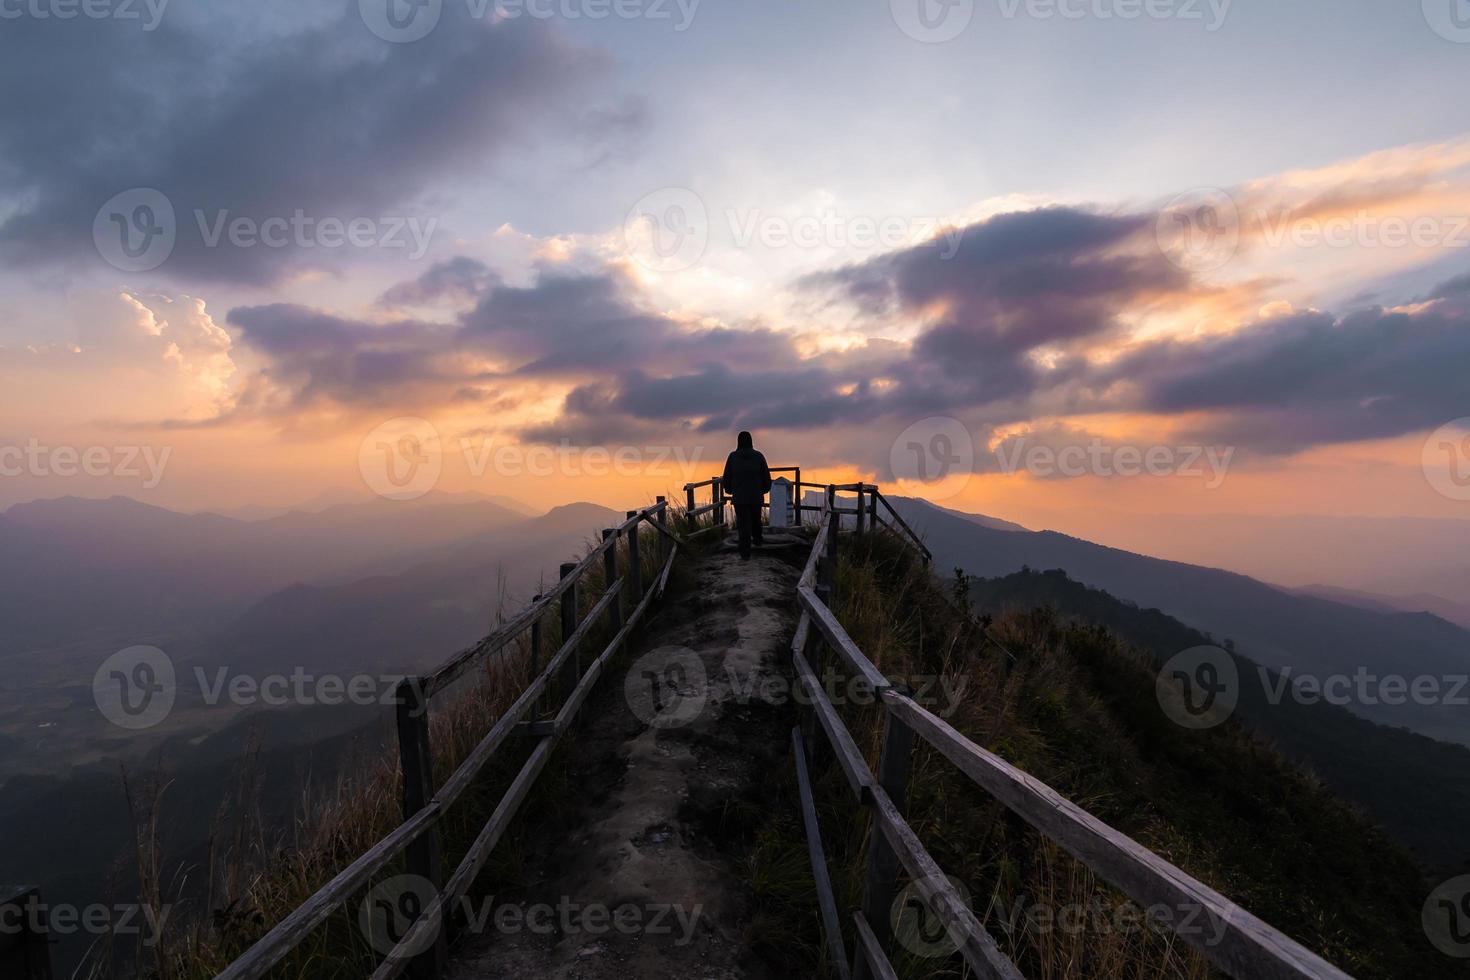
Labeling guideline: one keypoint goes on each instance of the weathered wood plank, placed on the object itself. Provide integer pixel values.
(880, 884)
(917, 541)
(1246, 946)
(423, 857)
(400, 956)
(455, 666)
(461, 778)
(849, 757)
(826, 622)
(826, 900)
(819, 547)
(871, 950)
(274, 945)
(975, 944)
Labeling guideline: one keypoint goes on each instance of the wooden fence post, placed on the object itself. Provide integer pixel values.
(536, 657)
(797, 498)
(635, 563)
(861, 508)
(689, 507)
(834, 525)
(610, 575)
(25, 952)
(424, 857)
(873, 508)
(719, 501)
(880, 887)
(569, 619)
(663, 522)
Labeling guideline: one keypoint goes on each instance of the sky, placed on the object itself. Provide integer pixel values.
(1041, 259)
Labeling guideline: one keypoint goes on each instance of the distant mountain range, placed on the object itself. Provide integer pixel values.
(1283, 630)
(1405, 782)
(74, 565)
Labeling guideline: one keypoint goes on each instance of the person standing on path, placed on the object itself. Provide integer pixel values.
(747, 480)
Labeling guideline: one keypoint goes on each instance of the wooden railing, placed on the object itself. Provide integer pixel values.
(1229, 937)
(422, 948)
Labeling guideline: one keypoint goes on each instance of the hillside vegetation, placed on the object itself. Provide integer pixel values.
(1074, 705)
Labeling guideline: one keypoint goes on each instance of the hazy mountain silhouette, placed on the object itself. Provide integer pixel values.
(1406, 782)
(1272, 626)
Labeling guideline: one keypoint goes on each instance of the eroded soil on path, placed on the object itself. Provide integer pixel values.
(674, 766)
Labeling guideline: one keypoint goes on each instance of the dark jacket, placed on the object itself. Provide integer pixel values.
(747, 477)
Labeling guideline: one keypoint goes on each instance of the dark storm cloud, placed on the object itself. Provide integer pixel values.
(1018, 281)
(330, 121)
(1305, 380)
(568, 323)
(1457, 287)
(318, 357)
(1277, 386)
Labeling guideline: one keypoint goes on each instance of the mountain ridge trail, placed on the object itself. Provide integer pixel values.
(676, 758)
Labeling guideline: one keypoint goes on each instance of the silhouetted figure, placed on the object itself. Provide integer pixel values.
(747, 479)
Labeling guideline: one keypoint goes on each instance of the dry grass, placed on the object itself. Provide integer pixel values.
(256, 876)
(1209, 803)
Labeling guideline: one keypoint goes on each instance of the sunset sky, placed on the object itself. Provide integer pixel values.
(1239, 232)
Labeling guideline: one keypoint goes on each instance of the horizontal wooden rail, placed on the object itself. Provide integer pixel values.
(456, 665)
(917, 541)
(849, 756)
(1229, 937)
(826, 901)
(1247, 946)
(422, 824)
(871, 949)
(274, 945)
(479, 852)
(827, 624)
(462, 777)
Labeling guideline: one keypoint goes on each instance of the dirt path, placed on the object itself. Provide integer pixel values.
(675, 763)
